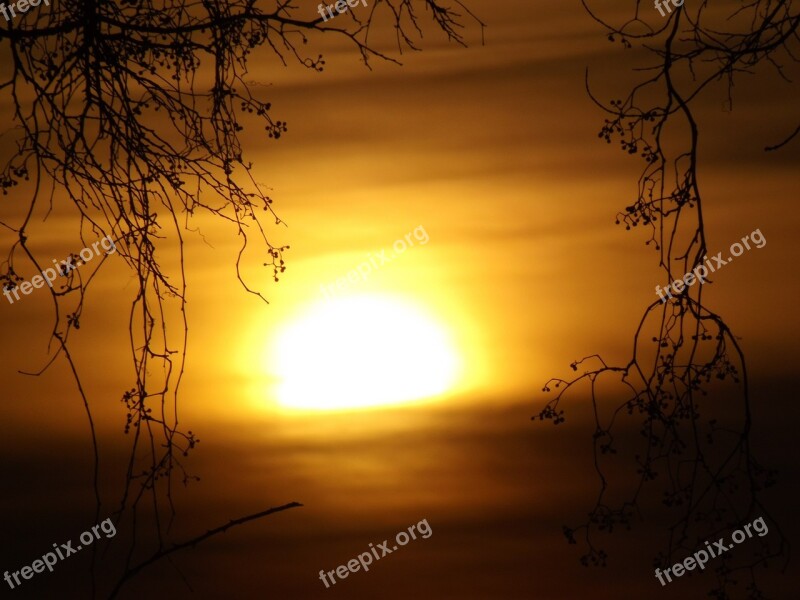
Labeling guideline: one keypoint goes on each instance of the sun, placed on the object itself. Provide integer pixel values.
(362, 351)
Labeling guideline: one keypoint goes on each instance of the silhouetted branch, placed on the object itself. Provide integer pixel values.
(133, 571)
(705, 472)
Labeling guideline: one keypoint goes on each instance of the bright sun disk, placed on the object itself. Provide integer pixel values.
(362, 351)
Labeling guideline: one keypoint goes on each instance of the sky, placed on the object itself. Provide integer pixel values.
(485, 162)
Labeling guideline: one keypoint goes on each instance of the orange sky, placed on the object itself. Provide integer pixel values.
(493, 150)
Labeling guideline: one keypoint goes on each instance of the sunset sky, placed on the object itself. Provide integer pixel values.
(408, 394)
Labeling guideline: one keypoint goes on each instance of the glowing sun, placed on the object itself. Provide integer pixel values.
(362, 351)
